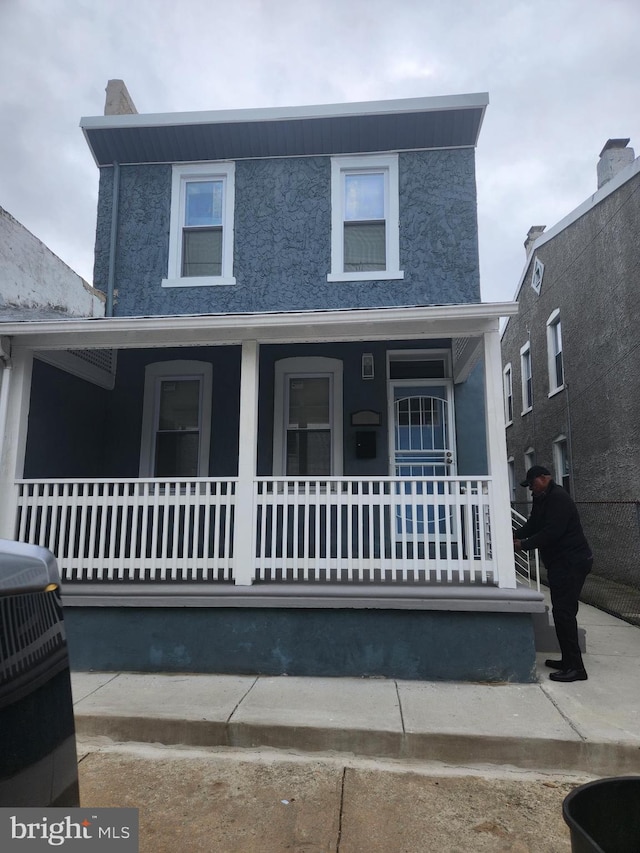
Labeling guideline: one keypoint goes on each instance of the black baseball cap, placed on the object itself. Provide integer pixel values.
(536, 471)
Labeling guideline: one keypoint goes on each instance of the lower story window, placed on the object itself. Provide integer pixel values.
(308, 417)
(176, 420)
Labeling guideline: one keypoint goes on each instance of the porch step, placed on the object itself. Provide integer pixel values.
(545, 633)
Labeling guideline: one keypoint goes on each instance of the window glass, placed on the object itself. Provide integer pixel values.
(363, 196)
(178, 431)
(202, 252)
(203, 203)
(308, 441)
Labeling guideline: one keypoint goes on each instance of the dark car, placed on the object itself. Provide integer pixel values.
(38, 762)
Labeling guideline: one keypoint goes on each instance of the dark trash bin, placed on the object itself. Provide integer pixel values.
(604, 816)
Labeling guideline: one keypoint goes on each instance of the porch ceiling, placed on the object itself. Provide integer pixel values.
(366, 324)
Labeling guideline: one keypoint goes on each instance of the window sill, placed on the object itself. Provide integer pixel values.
(526, 411)
(555, 391)
(371, 275)
(508, 424)
(204, 281)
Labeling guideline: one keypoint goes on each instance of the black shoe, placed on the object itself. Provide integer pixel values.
(553, 664)
(569, 675)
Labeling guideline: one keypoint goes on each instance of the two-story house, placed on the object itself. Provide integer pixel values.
(571, 378)
(289, 454)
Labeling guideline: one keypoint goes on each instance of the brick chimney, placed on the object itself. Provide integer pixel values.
(532, 235)
(614, 157)
(118, 101)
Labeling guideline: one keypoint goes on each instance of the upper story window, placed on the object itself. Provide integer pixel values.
(554, 353)
(365, 242)
(507, 385)
(201, 231)
(527, 378)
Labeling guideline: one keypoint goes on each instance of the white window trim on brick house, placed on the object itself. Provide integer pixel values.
(182, 175)
(507, 386)
(554, 349)
(388, 166)
(527, 398)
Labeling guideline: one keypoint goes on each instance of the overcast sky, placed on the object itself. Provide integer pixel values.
(562, 77)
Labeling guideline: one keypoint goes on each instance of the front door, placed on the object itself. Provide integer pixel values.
(422, 446)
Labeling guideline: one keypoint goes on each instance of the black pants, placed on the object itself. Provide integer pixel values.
(565, 584)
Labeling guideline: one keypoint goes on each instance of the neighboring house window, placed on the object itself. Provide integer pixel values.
(507, 381)
(527, 378)
(561, 462)
(529, 462)
(554, 353)
(201, 230)
(365, 241)
(308, 417)
(511, 465)
(176, 420)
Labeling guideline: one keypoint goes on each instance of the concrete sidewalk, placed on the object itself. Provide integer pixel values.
(590, 727)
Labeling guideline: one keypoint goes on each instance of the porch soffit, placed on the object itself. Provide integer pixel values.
(397, 125)
(366, 324)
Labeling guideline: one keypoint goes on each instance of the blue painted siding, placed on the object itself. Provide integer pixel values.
(98, 432)
(282, 251)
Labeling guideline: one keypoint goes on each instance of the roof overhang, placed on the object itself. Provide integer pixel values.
(365, 324)
(398, 125)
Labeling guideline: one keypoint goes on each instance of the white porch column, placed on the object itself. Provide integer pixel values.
(501, 537)
(244, 540)
(15, 395)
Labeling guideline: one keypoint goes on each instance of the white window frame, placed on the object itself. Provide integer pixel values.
(341, 166)
(154, 374)
(525, 355)
(507, 387)
(182, 175)
(560, 450)
(307, 366)
(529, 462)
(554, 335)
(511, 467)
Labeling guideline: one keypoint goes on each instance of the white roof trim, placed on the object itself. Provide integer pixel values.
(468, 320)
(402, 105)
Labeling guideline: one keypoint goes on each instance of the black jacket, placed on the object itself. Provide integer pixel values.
(554, 528)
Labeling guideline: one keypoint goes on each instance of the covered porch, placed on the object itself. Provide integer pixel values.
(421, 536)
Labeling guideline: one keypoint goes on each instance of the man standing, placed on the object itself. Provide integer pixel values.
(554, 529)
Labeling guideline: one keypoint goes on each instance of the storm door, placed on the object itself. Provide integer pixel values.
(422, 446)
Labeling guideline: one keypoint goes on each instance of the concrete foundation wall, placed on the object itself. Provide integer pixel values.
(425, 645)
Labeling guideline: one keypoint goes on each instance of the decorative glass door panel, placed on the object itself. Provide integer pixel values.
(422, 448)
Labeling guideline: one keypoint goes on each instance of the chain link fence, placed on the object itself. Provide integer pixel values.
(613, 531)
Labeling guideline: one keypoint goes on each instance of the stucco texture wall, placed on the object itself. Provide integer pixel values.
(282, 250)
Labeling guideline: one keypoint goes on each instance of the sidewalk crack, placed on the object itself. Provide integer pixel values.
(344, 776)
(242, 698)
(564, 716)
(404, 731)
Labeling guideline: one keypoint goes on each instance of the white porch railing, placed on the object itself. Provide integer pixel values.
(527, 562)
(140, 529)
(333, 529)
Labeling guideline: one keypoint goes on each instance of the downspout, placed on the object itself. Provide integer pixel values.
(5, 381)
(112, 242)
